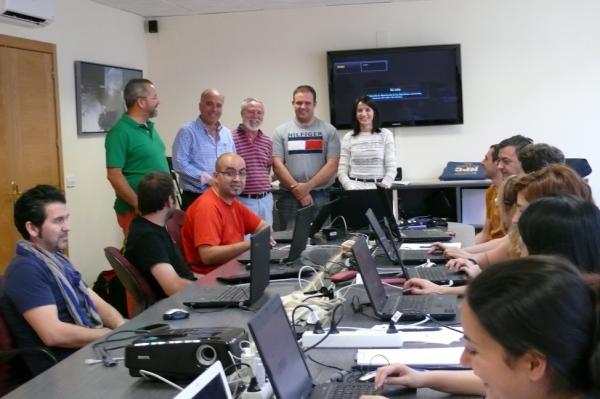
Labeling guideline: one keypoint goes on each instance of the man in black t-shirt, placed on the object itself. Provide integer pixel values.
(149, 246)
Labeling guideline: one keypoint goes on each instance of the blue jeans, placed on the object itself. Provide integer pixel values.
(287, 205)
(263, 207)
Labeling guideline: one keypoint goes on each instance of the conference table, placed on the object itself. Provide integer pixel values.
(74, 378)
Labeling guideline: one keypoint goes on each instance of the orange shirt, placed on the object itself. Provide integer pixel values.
(492, 213)
(212, 221)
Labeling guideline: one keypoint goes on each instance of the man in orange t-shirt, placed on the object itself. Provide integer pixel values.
(493, 225)
(215, 224)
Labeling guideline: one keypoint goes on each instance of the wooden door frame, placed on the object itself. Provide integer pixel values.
(49, 48)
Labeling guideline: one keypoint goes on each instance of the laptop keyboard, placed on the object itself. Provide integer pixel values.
(415, 303)
(230, 293)
(351, 390)
(432, 273)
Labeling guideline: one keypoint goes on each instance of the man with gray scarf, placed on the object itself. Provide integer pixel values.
(46, 303)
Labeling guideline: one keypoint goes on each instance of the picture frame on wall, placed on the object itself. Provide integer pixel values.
(99, 95)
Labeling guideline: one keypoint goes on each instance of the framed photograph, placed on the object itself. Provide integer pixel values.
(99, 95)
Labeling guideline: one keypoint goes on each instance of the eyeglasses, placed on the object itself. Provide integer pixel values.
(232, 173)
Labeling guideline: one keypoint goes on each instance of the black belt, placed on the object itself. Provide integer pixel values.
(365, 180)
(255, 196)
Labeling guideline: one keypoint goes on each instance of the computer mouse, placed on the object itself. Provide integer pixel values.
(176, 314)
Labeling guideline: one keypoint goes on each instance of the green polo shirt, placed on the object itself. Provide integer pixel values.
(136, 149)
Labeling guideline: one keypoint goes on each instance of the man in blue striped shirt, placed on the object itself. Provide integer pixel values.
(197, 146)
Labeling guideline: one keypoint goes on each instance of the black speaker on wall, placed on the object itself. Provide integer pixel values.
(152, 26)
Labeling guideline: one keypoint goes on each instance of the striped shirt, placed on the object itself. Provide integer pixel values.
(258, 155)
(367, 156)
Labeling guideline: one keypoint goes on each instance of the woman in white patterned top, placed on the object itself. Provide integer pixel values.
(368, 154)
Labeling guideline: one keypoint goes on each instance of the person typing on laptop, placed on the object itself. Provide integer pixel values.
(149, 247)
(549, 181)
(215, 224)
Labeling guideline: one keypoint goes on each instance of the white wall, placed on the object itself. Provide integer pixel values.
(86, 31)
(529, 67)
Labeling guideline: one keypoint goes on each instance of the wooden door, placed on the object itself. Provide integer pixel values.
(29, 128)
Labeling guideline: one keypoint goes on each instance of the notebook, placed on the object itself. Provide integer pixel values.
(301, 231)
(412, 307)
(231, 296)
(287, 369)
(391, 250)
(211, 384)
(276, 272)
(437, 274)
(353, 204)
(420, 235)
(316, 225)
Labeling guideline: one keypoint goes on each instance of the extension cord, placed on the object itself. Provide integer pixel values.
(250, 356)
(266, 391)
(375, 337)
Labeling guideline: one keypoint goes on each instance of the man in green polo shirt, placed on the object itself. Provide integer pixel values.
(134, 148)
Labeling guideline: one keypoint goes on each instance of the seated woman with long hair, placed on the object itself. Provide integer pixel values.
(506, 316)
(551, 180)
(565, 226)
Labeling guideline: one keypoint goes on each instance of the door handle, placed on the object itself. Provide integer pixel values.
(14, 190)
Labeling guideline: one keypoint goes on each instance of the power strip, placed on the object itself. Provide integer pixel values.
(375, 337)
(266, 391)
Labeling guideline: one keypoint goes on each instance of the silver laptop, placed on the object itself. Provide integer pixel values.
(392, 249)
(285, 363)
(211, 384)
(412, 307)
(234, 296)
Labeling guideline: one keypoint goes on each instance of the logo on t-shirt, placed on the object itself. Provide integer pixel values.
(305, 143)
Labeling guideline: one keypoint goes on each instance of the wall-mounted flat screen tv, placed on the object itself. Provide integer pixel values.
(413, 86)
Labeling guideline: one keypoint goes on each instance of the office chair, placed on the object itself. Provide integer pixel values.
(174, 225)
(175, 181)
(133, 281)
(13, 370)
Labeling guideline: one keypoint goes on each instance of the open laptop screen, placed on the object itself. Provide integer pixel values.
(353, 204)
(280, 353)
(368, 272)
(260, 249)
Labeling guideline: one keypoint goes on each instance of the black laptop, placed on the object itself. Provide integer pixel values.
(316, 225)
(412, 307)
(408, 235)
(301, 232)
(232, 296)
(284, 361)
(393, 251)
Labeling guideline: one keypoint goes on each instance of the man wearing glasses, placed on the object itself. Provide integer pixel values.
(508, 160)
(215, 225)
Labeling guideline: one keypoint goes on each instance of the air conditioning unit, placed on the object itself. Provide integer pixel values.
(27, 12)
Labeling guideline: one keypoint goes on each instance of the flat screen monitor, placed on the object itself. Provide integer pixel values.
(412, 86)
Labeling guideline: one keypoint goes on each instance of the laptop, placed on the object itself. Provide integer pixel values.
(287, 369)
(407, 235)
(211, 384)
(235, 296)
(324, 212)
(353, 204)
(412, 307)
(393, 252)
(301, 232)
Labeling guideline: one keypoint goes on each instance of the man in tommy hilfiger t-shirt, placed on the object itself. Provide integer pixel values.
(306, 152)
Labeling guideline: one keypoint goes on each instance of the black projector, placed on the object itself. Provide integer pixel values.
(184, 353)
